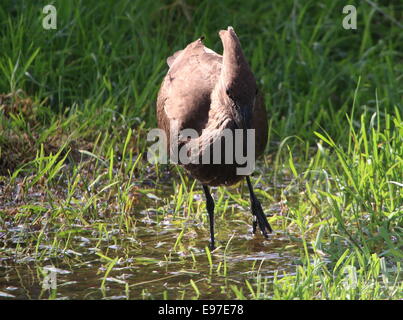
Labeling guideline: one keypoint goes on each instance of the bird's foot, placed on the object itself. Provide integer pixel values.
(260, 219)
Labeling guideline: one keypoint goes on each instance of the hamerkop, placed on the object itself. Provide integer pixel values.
(208, 92)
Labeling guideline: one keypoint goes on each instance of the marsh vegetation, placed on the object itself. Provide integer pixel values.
(78, 198)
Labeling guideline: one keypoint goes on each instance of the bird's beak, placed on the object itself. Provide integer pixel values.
(243, 117)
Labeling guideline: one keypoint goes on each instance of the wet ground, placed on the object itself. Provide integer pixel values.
(161, 256)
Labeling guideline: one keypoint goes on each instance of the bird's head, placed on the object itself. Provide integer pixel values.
(238, 83)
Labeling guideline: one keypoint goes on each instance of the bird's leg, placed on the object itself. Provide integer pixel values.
(210, 210)
(259, 218)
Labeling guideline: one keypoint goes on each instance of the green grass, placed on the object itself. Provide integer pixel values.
(77, 192)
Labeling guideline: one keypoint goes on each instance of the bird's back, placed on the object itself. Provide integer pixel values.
(185, 92)
(185, 97)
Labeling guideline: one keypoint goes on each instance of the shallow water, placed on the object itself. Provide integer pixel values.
(104, 261)
(148, 265)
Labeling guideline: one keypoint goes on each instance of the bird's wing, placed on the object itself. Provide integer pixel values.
(185, 92)
(172, 58)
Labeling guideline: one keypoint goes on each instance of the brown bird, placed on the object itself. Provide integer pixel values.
(210, 93)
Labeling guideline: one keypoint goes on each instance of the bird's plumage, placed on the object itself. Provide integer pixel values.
(196, 93)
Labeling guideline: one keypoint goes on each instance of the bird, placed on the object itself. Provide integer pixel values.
(211, 94)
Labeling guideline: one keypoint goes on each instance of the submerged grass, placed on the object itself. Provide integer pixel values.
(78, 197)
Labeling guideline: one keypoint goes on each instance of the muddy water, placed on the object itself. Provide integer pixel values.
(102, 261)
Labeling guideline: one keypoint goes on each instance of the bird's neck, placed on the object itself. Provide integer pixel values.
(220, 114)
(219, 119)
